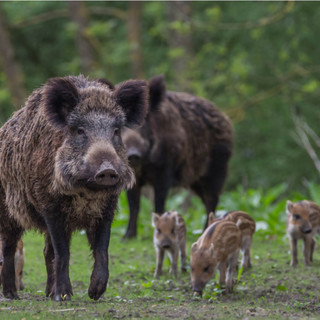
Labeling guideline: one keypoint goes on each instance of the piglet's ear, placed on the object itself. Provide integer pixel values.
(211, 218)
(155, 219)
(60, 96)
(289, 206)
(132, 96)
(194, 247)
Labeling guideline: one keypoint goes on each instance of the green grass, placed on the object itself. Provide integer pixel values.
(270, 290)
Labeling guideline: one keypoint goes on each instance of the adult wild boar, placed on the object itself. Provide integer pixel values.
(63, 165)
(185, 141)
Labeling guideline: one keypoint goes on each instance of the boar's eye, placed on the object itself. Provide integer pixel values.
(296, 216)
(172, 231)
(158, 230)
(116, 131)
(206, 269)
(80, 131)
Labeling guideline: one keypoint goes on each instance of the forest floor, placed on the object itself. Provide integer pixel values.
(270, 290)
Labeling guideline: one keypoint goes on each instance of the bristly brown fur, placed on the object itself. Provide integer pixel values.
(247, 227)
(63, 166)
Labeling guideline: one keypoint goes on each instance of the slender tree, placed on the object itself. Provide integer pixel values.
(80, 16)
(134, 37)
(179, 38)
(11, 67)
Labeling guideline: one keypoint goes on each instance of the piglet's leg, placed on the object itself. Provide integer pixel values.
(183, 256)
(60, 240)
(99, 238)
(222, 274)
(307, 250)
(294, 252)
(313, 244)
(173, 256)
(159, 257)
(231, 267)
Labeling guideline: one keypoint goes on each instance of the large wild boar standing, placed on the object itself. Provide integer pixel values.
(185, 141)
(63, 165)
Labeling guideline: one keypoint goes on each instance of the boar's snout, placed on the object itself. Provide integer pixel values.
(106, 175)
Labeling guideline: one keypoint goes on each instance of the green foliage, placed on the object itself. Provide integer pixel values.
(254, 60)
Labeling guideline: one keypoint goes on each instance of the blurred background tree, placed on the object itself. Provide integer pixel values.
(254, 60)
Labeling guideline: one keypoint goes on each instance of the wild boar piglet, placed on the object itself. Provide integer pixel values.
(169, 235)
(303, 222)
(217, 248)
(247, 227)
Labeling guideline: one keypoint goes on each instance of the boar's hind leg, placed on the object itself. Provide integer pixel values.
(60, 240)
(99, 241)
(133, 196)
(209, 187)
(9, 246)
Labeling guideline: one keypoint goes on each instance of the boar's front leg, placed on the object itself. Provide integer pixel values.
(48, 253)
(99, 238)
(133, 196)
(60, 240)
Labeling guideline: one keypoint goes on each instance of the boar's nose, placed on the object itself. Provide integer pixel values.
(106, 176)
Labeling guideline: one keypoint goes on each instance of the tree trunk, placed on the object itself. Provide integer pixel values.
(180, 40)
(10, 65)
(80, 16)
(134, 37)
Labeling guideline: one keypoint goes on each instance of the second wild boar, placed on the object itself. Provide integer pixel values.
(217, 248)
(63, 166)
(185, 141)
(247, 227)
(169, 235)
(303, 222)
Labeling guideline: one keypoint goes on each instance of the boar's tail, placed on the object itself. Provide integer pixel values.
(157, 90)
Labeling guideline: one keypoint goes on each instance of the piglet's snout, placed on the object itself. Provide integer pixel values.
(106, 175)
(166, 244)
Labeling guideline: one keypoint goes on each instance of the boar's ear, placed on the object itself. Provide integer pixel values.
(106, 82)
(60, 96)
(157, 90)
(132, 96)
(289, 206)
(155, 219)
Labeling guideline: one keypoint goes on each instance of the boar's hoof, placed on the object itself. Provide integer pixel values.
(96, 291)
(61, 297)
(11, 295)
(130, 235)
